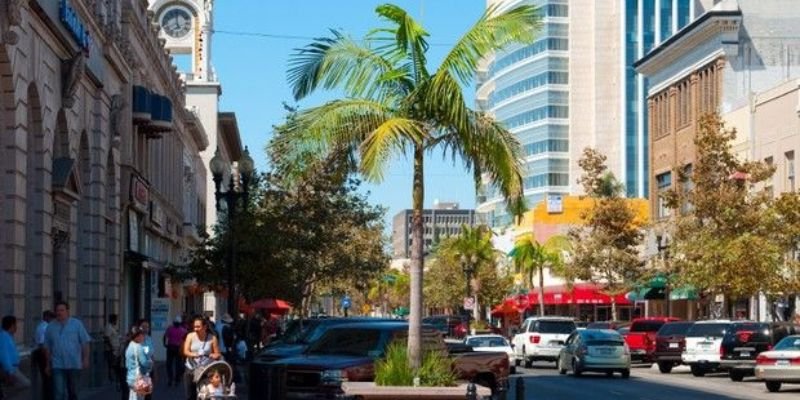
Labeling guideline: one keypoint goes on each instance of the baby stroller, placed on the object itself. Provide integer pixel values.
(224, 389)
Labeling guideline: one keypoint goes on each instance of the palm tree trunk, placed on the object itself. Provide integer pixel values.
(417, 260)
(614, 308)
(541, 291)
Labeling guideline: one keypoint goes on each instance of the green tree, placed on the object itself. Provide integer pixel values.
(395, 105)
(726, 237)
(531, 257)
(606, 245)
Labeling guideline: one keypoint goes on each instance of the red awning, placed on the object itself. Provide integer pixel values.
(509, 306)
(581, 293)
(274, 306)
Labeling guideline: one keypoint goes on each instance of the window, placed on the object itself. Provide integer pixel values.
(789, 170)
(687, 185)
(664, 182)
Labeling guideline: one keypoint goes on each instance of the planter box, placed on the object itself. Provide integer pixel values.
(369, 391)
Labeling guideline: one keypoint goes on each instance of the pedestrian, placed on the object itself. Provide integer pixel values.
(67, 348)
(9, 357)
(112, 343)
(200, 348)
(39, 357)
(139, 365)
(173, 340)
(227, 343)
(149, 348)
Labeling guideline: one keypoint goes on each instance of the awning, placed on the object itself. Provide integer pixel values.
(274, 306)
(581, 293)
(509, 306)
(687, 292)
(649, 293)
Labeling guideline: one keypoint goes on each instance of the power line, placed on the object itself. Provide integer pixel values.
(278, 36)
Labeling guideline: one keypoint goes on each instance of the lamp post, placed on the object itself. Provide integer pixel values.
(220, 169)
(468, 266)
(662, 244)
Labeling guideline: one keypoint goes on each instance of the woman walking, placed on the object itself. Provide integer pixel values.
(200, 348)
(139, 364)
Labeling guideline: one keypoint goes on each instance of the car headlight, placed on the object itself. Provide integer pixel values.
(333, 377)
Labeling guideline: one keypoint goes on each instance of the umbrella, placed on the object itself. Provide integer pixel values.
(272, 305)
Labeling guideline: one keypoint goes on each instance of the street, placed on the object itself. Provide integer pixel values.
(542, 382)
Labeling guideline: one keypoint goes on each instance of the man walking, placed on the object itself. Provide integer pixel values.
(173, 341)
(67, 349)
(39, 357)
(112, 342)
(9, 357)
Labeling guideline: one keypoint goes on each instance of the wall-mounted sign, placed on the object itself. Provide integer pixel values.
(555, 203)
(133, 231)
(74, 25)
(140, 193)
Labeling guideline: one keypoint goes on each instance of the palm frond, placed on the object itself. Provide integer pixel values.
(341, 62)
(392, 134)
(410, 37)
(492, 32)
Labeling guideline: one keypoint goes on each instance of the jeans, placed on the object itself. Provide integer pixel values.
(65, 383)
(174, 364)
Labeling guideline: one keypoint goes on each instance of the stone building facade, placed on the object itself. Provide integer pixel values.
(79, 160)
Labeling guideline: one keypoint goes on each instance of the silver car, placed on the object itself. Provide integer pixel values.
(781, 364)
(595, 350)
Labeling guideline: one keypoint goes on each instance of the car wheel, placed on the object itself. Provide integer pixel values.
(576, 371)
(626, 373)
(561, 369)
(697, 371)
(665, 367)
(736, 376)
(513, 369)
(773, 386)
(516, 362)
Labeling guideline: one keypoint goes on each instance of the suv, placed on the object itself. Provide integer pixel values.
(447, 324)
(541, 338)
(670, 343)
(703, 343)
(641, 338)
(746, 340)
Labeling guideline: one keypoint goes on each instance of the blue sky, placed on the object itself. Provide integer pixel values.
(252, 70)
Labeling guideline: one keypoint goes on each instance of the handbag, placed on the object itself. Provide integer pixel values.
(143, 385)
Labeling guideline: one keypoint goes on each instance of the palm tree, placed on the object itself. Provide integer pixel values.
(531, 256)
(476, 245)
(395, 106)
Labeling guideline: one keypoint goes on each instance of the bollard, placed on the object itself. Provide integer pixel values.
(520, 389)
(472, 392)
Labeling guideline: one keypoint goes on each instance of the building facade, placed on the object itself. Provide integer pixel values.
(575, 88)
(441, 221)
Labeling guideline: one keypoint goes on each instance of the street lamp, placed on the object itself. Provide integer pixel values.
(662, 245)
(220, 169)
(468, 266)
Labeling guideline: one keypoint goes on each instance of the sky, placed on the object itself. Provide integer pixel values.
(254, 40)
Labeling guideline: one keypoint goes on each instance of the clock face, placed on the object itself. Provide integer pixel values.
(176, 22)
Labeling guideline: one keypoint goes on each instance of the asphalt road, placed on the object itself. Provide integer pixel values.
(542, 382)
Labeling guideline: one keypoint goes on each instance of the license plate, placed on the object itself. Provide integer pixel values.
(673, 345)
(744, 354)
(782, 363)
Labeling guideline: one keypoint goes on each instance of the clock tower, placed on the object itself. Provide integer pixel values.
(187, 26)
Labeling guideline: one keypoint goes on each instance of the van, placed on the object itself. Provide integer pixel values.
(703, 343)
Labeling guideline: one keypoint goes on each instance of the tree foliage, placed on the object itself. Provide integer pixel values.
(606, 245)
(531, 257)
(726, 238)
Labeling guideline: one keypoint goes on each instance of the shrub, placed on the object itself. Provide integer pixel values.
(436, 369)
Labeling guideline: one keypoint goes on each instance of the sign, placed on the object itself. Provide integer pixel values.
(346, 302)
(469, 303)
(140, 193)
(159, 314)
(555, 203)
(133, 230)
(74, 25)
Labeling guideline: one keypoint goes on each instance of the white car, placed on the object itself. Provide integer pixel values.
(781, 364)
(703, 342)
(491, 343)
(541, 338)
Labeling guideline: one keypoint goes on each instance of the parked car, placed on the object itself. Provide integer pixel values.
(781, 364)
(641, 338)
(670, 344)
(541, 338)
(595, 350)
(492, 343)
(605, 325)
(348, 353)
(703, 342)
(746, 340)
(447, 324)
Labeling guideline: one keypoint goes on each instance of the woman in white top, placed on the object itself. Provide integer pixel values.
(199, 348)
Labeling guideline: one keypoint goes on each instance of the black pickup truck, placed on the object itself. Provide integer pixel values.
(348, 353)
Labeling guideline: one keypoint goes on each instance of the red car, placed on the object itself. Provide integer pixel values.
(641, 338)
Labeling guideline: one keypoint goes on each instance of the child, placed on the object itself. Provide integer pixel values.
(214, 386)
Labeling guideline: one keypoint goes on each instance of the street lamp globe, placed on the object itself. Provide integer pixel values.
(217, 166)
(246, 164)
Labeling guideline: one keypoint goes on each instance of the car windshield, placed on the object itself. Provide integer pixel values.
(352, 342)
(563, 327)
(495, 341)
(298, 330)
(789, 343)
(708, 330)
(646, 326)
(674, 328)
